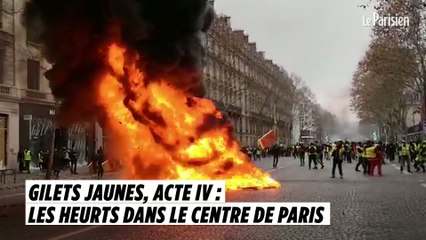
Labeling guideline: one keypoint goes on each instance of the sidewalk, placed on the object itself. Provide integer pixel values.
(82, 174)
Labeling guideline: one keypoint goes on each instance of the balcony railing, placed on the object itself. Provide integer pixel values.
(37, 95)
(8, 91)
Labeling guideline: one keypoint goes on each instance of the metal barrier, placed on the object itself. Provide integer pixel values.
(7, 172)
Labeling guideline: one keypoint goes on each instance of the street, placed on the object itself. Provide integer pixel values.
(362, 207)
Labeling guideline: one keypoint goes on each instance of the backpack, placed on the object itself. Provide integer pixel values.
(312, 150)
(319, 149)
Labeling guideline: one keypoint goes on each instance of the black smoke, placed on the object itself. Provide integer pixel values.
(74, 34)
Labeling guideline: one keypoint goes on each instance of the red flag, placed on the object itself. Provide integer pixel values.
(268, 140)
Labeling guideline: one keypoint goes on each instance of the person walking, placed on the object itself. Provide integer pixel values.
(371, 157)
(312, 155)
(58, 162)
(413, 152)
(258, 153)
(40, 160)
(67, 157)
(390, 151)
(73, 157)
(276, 154)
(381, 155)
(20, 159)
(360, 157)
(337, 155)
(348, 151)
(404, 156)
(320, 155)
(100, 158)
(27, 159)
(250, 153)
(421, 158)
(302, 154)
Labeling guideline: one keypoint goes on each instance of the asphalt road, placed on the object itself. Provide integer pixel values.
(362, 207)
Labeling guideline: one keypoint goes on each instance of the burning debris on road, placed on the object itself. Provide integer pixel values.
(135, 66)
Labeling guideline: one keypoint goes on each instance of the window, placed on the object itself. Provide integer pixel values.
(3, 140)
(2, 58)
(33, 74)
(416, 97)
(1, 13)
(33, 32)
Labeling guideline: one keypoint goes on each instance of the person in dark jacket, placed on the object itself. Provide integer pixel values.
(320, 154)
(100, 158)
(301, 153)
(312, 156)
(338, 154)
(56, 165)
(276, 154)
(20, 160)
(73, 158)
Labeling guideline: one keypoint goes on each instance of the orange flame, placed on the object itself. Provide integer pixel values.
(171, 148)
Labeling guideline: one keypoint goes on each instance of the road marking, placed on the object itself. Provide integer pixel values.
(423, 185)
(399, 169)
(67, 235)
(275, 169)
(12, 195)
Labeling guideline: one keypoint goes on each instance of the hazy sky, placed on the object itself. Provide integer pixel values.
(320, 40)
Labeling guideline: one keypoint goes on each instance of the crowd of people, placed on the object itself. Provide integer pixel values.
(369, 156)
(63, 159)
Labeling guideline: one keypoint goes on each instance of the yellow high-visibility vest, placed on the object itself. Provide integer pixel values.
(405, 150)
(364, 152)
(370, 152)
(27, 155)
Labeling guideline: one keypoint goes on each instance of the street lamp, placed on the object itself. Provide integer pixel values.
(52, 114)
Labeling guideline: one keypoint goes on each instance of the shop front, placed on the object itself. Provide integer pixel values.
(9, 142)
(36, 125)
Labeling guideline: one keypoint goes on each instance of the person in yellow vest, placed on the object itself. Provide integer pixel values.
(371, 156)
(338, 154)
(421, 157)
(360, 157)
(404, 156)
(364, 159)
(27, 159)
(331, 149)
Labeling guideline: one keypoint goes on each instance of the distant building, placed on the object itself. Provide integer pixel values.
(250, 89)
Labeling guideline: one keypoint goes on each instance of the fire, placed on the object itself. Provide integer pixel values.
(161, 132)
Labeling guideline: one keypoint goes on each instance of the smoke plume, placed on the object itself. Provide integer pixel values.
(74, 34)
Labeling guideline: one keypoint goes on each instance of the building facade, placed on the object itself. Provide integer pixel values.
(415, 129)
(9, 93)
(26, 104)
(251, 90)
